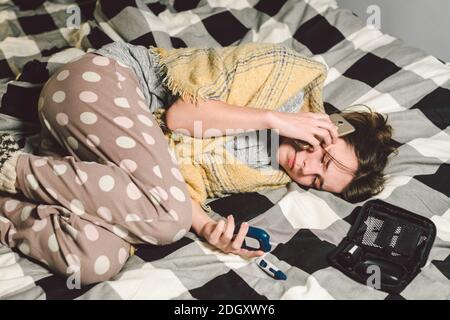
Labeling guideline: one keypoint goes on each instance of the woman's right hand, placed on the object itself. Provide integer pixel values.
(220, 234)
(314, 128)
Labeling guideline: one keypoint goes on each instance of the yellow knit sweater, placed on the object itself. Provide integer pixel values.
(257, 75)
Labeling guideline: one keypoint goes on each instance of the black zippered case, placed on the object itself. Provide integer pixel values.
(386, 246)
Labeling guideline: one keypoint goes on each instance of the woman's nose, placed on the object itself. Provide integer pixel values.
(310, 167)
(312, 164)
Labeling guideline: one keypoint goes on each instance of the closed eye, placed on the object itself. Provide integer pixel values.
(316, 177)
(314, 183)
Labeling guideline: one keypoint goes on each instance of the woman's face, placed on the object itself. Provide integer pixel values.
(315, 168)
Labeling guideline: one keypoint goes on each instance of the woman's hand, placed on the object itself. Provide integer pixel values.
(313, 128)
(221, 235)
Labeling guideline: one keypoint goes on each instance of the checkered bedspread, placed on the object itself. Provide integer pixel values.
(365, 66)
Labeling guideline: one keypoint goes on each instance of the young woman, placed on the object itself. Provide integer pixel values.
(111, 180)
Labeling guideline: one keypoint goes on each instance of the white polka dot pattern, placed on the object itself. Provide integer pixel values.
(40, 162)
(59, 169)
(81, 177)
(139, 92)
(143, 105)
(145, 120)
(177, 193)
(120, 77)
(105, 213)
(32, 181)
(59, 96)
(133, 192)
(62, 119)
(172, 156)
(121, 102)
(77, 207)
(177, 174)
(92, 140)
(124, 122)
(180, 234)
(53, 243)
(39, 225)
(101, 265)
(106, 183)
(101, 61)
(150, 239)
(11, 205)
(73, 143)
(122, 255)
(132, 217)
(162, 193)
(52, 193)
(91, 232)
(125, 142)
(88, 118)
(173, 214)
(73, 260)
(24, 247)
(113, 125)
(91, 76)
(4, 220)
(88, 96)
(62, 75)
(148, 138)
(157, 171)
(128, 165)
(26, 211)
(120, 231)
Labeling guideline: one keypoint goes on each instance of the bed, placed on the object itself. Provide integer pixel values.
(364, 66)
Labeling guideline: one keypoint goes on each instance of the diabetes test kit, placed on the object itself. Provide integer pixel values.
(386, 247)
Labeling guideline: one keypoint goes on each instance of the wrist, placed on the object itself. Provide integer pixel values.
(199, 218)
(271, 119)
(200, 225)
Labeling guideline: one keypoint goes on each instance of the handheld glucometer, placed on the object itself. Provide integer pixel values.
(261, 236)
(256, 239)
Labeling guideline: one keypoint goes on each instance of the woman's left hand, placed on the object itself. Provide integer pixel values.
(314, 128)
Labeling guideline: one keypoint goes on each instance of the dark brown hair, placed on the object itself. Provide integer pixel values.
(372, 143)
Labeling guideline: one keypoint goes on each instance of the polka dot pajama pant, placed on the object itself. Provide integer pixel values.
(117, 184)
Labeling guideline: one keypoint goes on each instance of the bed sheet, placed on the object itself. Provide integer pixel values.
(364, 66)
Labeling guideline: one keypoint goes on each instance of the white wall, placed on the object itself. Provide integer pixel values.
(421, 23)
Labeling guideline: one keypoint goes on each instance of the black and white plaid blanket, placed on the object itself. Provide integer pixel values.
(365, 66)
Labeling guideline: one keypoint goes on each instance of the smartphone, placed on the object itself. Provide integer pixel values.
(344, 128)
